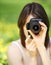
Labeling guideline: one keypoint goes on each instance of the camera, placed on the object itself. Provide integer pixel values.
(34, 26)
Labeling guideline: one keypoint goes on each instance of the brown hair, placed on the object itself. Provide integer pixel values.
(37, 11)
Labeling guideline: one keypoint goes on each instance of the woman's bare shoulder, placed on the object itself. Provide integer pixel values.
(13, 50)
(14, 54)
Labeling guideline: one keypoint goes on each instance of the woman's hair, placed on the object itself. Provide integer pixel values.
(37, 11)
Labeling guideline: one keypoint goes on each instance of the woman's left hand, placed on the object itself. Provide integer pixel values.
(40, 38)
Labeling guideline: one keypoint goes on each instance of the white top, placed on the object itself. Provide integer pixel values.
(26, 59)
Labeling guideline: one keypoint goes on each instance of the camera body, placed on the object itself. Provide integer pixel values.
(34, 25)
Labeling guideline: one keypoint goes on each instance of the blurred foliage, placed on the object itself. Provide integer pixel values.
(9, 13)
(8, 32)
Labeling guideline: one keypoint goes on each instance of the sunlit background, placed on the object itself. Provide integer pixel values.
(9, 13)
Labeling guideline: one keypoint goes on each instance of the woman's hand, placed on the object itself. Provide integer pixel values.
(40, 38)
(31, 46)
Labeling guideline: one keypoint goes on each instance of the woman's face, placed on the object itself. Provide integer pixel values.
(27, 20)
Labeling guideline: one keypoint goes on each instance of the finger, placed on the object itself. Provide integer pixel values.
(26, 41)
(33, 43)
(31, 46)
(43, 25)
(43, 28)
(33, 35)
(42, 33)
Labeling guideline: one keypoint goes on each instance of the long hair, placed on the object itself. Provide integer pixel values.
(37, 11)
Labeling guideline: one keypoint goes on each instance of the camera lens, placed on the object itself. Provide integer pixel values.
(35, 27)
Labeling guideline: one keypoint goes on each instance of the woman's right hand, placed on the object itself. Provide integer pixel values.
(31, 46)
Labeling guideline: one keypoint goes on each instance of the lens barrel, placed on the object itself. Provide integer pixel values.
(34, 26)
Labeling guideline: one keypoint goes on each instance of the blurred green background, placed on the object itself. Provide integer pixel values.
(9, 13)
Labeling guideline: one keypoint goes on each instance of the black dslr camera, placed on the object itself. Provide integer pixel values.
(34, 26)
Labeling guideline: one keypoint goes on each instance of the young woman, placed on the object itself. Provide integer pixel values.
(27, 50)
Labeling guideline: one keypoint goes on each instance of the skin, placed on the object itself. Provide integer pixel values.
(37, 43)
